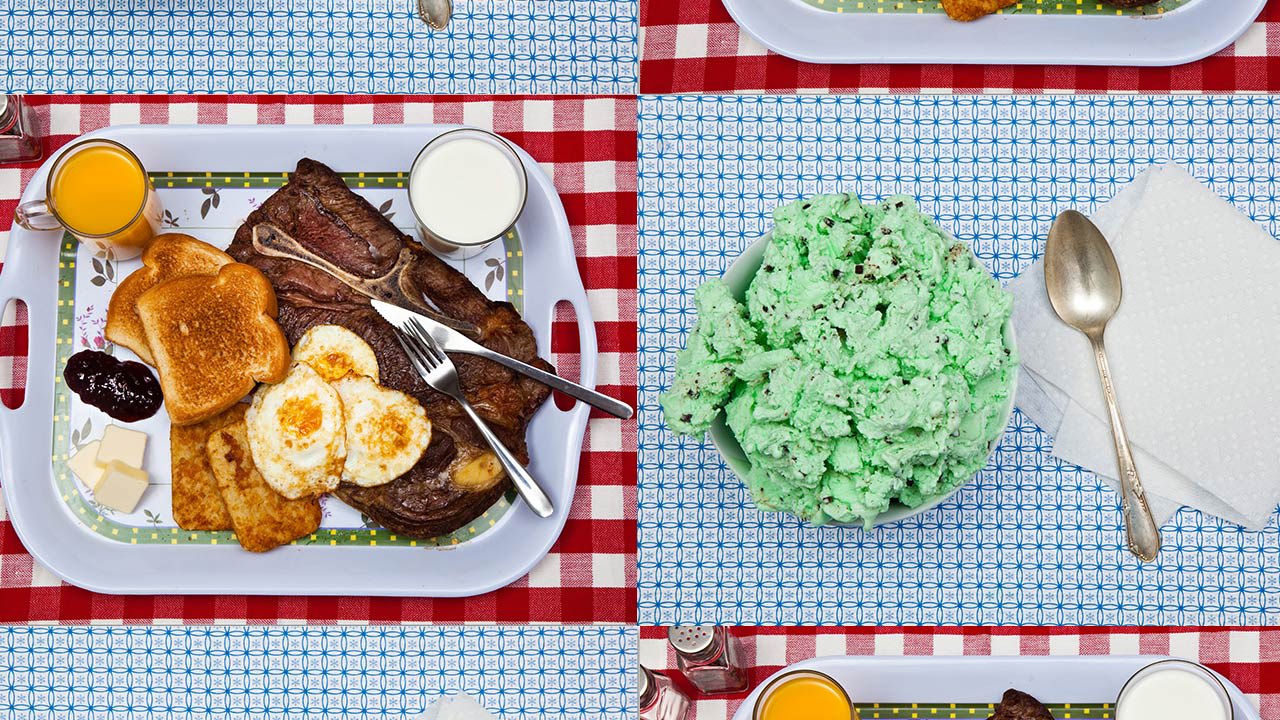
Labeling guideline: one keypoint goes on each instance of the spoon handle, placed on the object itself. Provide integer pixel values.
(1143, 534)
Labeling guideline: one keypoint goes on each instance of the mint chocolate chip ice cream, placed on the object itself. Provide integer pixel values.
(869, 364)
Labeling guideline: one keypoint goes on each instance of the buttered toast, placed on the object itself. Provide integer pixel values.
(213, 338)
(170, 256)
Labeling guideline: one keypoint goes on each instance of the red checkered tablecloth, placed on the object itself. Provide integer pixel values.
(1250, 658)
(694, 46)
(588, 146)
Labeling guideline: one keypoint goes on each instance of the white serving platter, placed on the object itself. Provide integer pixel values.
(1018, 36)
(65, 290)
(897, 683)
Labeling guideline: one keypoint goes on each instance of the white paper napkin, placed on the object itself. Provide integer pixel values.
(1194, 351)
(456, 707)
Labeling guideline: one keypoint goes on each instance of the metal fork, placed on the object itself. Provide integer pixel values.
(439, 372)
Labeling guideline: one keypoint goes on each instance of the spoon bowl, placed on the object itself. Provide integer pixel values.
(435, 13)
(1081, 273)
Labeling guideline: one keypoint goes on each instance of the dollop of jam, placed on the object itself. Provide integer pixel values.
(123, 389)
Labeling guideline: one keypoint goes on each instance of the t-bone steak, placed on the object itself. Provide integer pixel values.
(457, 479)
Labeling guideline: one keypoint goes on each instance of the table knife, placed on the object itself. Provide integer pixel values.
(453, 341)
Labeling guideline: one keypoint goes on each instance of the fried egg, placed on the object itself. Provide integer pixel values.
(387, 431)
(297, 434)
(335, 352)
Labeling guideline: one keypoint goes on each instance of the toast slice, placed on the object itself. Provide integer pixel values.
(197, 501)
(172, 255)
(214, 337)
(262, 518)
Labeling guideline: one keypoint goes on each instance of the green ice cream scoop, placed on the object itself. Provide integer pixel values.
(863, 359)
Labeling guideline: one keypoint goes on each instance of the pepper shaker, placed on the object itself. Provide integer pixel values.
(659, 698)
(708, 656)
(18, 139)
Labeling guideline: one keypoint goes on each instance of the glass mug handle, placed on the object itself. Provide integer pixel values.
(36, 215)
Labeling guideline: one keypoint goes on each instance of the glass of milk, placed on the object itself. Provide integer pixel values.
(466, 189)
(1174, 690)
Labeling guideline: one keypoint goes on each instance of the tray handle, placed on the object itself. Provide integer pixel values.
(30, 275)
(586, 342)
(28, 267)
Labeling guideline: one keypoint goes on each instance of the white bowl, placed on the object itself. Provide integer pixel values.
(738, 277)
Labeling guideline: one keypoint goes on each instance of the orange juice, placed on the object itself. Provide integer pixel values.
(805, 696)
(100, 189)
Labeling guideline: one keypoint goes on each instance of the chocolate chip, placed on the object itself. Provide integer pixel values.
(829, 222)
(686, 418)
(836, 273)
(857, 269)
(885, 231)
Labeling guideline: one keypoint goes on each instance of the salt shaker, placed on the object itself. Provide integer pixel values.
(18, 139)
(708, 656)
(659, 698)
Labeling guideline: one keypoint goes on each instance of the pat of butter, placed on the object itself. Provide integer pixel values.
(127, 446)
(85, 465)
(121, 486)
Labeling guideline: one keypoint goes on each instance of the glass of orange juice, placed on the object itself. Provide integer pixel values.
(804, 695)
(98, 191)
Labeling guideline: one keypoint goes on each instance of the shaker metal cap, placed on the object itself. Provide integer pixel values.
(644, 681)
(691, 639)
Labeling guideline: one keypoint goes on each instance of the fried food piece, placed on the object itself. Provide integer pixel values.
(263, 519)
(1017, 705)
(197, 500)
(966, 10)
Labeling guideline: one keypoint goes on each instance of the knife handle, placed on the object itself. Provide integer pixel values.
(596, 400)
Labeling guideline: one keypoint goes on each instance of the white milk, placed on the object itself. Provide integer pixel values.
(1171, 694)
(466, 191)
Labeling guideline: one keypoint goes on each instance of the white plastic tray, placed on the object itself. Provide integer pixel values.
(80, 549)
(803, 32)
(971, 680)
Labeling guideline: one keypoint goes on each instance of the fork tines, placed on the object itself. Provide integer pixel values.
(419, 352)
(428, 343)
(411, 351)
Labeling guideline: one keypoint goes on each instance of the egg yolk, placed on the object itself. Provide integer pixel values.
(301, 416)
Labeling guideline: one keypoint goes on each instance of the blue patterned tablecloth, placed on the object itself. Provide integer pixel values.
(1030, 541)
(317, 46)
(337, 673)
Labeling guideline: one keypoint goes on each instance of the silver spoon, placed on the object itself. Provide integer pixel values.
(1083, 281)
(435, 12)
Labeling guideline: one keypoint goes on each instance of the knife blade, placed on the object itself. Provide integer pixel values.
(453, 341)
